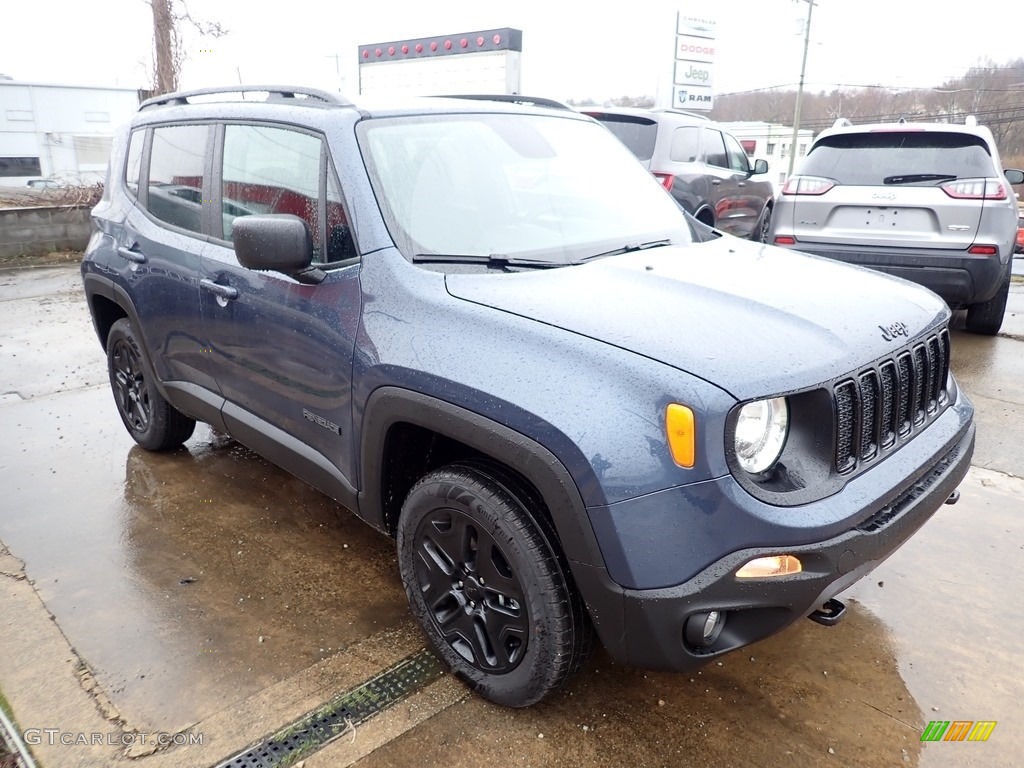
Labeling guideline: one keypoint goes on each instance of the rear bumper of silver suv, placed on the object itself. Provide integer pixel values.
(960, 278)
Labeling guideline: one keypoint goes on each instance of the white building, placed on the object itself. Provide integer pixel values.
(771, 142)
(60, 132)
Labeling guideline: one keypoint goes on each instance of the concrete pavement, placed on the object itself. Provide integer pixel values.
(205, 592)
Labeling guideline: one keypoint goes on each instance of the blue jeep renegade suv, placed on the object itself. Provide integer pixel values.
(483, 327)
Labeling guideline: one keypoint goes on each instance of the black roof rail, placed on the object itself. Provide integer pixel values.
(282, 91)
(510, 98)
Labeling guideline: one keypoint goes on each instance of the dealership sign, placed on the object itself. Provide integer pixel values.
(694, 60)
(483, 61)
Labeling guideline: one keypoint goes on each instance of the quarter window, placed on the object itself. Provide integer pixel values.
(685, 144)
(133, 167)
(176, 175)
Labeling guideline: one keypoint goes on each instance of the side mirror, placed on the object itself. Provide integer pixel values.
(1014, 176)
(760, 166)
(280, 242)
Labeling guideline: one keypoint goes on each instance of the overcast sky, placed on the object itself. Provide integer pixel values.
(570, 49)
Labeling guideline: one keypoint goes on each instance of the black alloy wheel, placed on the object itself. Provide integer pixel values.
(474, 598)
(129, 383)
(152, 422)
(488, 585)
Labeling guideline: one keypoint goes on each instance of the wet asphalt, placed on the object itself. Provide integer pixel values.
(209, 591)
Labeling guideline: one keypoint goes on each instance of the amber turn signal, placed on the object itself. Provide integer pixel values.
(682, 434)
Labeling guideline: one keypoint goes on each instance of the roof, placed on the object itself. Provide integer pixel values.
(231, 102)
(981, 131)
(652, 114)
(63, 86)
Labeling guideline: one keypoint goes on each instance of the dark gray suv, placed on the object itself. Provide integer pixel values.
(487, 331)
(701, 164)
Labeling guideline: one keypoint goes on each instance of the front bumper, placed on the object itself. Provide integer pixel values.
(651, 633)
(960, 278)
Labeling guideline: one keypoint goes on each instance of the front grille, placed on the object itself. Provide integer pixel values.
(886, 404)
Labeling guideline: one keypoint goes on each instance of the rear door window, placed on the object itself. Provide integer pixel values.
(867, 159)
(177, 163)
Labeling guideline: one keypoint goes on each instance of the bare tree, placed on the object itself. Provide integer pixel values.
(168, 52)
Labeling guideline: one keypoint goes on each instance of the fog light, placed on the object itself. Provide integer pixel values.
(702, 629)
(764, 567)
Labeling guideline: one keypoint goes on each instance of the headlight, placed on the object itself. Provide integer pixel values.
(761, 433)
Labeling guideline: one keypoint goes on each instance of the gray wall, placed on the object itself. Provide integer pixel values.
(37, 231)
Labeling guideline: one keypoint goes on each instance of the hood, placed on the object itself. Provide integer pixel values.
(752, 319)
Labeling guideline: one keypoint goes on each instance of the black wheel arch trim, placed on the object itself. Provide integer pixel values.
(387, 406)
(710, 211)
(104, 287)
(191, 399)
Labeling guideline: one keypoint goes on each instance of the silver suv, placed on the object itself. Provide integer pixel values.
(924, 201)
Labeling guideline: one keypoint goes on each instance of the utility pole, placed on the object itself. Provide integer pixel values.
(800, 88)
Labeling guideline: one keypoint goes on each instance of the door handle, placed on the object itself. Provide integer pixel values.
(133, 254)
(716, 182)
(741, 183)
(224, 291)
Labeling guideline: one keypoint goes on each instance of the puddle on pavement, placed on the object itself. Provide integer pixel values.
(951, 602)
(108, 531)
(990, 367)
(785, 701)
(939, 639)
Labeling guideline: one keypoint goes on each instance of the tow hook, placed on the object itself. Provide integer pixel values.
(830, 614)
(954, 497)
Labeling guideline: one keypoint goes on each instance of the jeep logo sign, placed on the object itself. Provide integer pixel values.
(693, 73)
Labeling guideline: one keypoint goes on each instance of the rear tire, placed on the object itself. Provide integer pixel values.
(152, 422)
(986, 318)
(493, 598)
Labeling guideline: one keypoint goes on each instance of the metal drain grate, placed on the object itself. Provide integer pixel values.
(340, 715)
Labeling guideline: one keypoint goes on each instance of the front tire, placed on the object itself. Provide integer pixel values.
(986, 318)
(764, 225)
(154, 423)
(491, 595)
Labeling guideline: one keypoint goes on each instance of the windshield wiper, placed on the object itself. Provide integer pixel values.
(628, 248)
(910, 178)
(491, 260)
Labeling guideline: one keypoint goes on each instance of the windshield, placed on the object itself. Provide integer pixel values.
(558, 189)
(908, 158)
